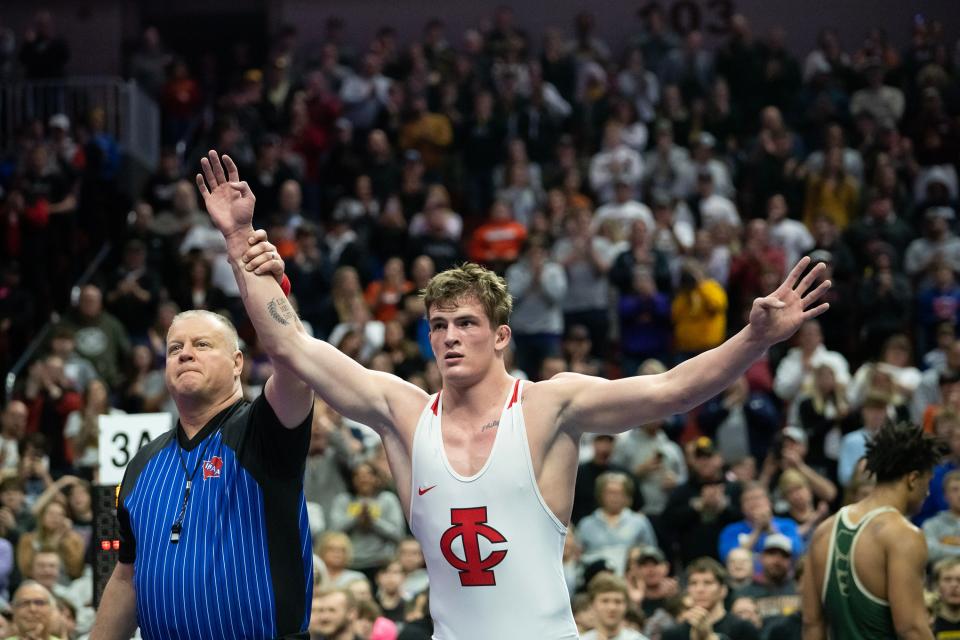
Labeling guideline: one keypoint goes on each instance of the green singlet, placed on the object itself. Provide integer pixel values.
(852, 612)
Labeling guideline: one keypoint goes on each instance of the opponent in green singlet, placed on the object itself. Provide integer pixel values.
(866, 564)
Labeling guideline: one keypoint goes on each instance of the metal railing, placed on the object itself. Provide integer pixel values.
(130, 115)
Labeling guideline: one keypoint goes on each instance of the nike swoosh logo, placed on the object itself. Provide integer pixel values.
(423, 491)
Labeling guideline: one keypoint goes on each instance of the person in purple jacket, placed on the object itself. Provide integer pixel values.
(645, 329)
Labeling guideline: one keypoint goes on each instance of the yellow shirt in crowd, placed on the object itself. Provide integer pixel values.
(699, 317)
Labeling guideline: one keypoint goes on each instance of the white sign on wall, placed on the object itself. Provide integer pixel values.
(121, 436)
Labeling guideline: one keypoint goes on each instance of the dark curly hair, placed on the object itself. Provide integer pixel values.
(898, 449)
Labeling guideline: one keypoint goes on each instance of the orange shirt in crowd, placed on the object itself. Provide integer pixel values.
(497, 241)
(384, 298)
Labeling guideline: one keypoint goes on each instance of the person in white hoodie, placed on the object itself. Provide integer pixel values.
(795, 371)
(615, 163)
(624, 210)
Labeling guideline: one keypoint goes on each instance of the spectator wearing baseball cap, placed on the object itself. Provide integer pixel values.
(774, 590)
(758, 524)
(788, 455)
(699, 509)
(703, 145)
(647, 567)
(63, 144)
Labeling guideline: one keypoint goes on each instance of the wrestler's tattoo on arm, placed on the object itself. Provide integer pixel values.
(281, 311)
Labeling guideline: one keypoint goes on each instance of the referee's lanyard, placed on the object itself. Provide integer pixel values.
(178, 525)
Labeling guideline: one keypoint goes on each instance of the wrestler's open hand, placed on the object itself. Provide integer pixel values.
(229, 200)
(776, 317)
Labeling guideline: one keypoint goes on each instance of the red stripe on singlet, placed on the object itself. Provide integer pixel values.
(516, 390)
(436, 403)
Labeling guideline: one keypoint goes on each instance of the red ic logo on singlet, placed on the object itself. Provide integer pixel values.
(471, 525)
(211, 467)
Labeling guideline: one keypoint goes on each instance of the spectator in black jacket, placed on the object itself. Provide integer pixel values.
(132, 296)
(946, 575)
(43, 54)
(820, 412)
(310, 273)
(701, 508)
(482, 137)
(743, 422)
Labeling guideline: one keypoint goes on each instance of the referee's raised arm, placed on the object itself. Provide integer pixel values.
(370, 397)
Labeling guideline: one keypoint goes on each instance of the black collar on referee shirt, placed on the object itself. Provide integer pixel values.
(214, 423)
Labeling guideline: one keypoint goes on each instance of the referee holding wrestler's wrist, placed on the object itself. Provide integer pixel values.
(214, 539)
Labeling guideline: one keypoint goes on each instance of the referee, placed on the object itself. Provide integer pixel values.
(214, 539)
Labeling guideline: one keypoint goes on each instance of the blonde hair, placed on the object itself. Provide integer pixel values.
(603, 583)
(951, 477)
(614, 476)
(343, 300)
(232, 337)
(948, 417)
(944, 565)
(330, 591)
(332, 537)
(818, 399)
(470, 280)
(790, 479)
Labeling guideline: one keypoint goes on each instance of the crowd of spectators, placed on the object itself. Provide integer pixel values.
(636, 196)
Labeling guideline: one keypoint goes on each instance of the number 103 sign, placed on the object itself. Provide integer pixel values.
(121, 436)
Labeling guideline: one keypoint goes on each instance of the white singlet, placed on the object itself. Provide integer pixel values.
(494, 550)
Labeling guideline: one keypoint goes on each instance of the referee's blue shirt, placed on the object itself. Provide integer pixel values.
(244, 565)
